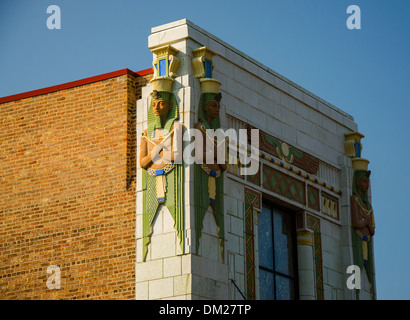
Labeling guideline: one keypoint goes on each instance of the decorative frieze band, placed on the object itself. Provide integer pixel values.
(298, 167)
(286, 152)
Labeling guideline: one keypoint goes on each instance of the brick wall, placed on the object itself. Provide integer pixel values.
(67, 192)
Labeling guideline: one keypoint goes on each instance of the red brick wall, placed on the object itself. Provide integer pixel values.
(67, 192)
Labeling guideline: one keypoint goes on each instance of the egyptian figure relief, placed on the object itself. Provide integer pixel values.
(160, 150)
(363, 224)
(209, 181)
(362, 212)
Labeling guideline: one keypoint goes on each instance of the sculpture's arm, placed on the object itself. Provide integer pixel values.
(176, 143)
(358, 221)
(145, 156)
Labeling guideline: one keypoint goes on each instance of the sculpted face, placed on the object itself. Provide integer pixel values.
(213, 109)
(363, 184)
(160, 107)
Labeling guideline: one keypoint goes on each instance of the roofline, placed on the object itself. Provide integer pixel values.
(76, 83)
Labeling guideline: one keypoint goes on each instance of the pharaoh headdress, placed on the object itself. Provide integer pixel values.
(210, 92)
(358, 174)
(162, 92)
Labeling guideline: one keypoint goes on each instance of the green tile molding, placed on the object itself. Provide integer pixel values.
(313, 224)
(252, 201)
(282, 184)
(313, 198)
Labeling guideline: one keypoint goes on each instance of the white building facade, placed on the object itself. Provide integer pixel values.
(286, 231)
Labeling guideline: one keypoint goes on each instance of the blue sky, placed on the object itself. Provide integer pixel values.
(363, 72)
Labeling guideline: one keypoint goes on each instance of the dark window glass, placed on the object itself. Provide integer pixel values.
(265, 239)
(283, 243)
(267, 290)
(284, 288)
(276, 245)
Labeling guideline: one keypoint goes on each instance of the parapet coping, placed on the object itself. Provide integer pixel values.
(187, 22)
(73, 84)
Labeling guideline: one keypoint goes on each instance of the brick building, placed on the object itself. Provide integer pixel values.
(73, 192)
(68, 189)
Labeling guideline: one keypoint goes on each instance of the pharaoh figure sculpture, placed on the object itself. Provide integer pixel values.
(363, 224)
(161, 159)
(209, 170)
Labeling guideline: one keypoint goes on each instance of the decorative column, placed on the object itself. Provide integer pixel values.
(306, 265)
